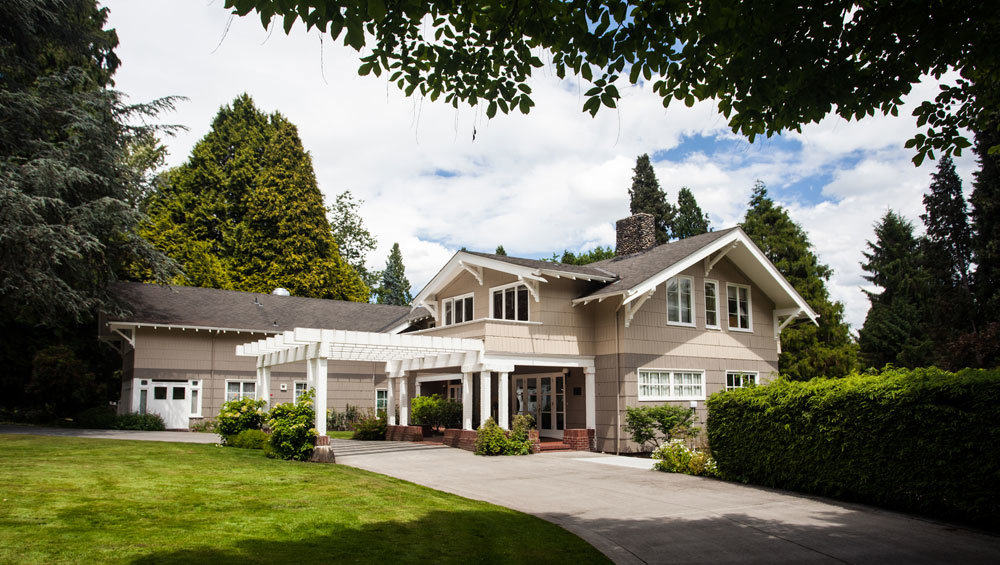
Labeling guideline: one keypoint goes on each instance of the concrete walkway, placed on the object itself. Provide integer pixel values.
(179, 437)
(635, 515)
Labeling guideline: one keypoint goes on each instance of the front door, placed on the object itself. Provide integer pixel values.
(455, 391)
(544, 397)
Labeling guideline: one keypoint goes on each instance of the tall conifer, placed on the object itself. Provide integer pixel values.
(986, 224)
(395, 288)
(646, 195)
(690, 220)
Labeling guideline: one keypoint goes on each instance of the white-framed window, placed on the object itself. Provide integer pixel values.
(195, 387)
(509, 302)
(680, 311)
(671, 384)
(237, 390)
(738, 298)
(712, 304)
(457, 309)
(298, 389)
(740, 379)
(381, 401)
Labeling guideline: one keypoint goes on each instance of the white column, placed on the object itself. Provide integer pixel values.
(590, 397)
(404, 402)
(484, 397)
(503, 400)
(466, 401)
(416, 388)
(265, 385)
(259, 384)
(310, 374)
(319, 403)
(390, 403)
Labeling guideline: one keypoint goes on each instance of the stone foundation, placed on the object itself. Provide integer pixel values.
(404, 433)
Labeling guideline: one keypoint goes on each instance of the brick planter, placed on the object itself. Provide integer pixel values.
(462, 439)
(580, 440)
(404, 433)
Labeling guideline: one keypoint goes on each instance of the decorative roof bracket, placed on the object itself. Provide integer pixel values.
(711, 261)
(632, 307)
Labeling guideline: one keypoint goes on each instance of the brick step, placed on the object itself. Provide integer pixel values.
(553, 446)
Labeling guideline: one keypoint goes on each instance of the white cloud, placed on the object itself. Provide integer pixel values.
(554, 180)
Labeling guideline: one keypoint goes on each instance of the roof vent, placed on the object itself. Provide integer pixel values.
(281, 292)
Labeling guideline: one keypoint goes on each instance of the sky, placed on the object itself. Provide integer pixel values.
(435, 179)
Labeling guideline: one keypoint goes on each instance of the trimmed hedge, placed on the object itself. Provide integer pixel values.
(922, 440)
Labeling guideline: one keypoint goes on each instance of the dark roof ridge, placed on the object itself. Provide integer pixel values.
(247, 292)
(686, 240)
(543, 264)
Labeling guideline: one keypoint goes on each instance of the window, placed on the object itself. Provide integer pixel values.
(679, 311)
(510, 302)
(160, 392)
(143, 396)
(300, 389)
(711, 304)
(671, 385)
(196, 399)
(179, 392)
(739, 306)
(236, 390)
(457, 310)
(381, 401)
(740, 379)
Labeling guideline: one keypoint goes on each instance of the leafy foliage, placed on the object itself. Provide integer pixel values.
(342, 421)
(105, 418)
(921, 440)
(245, 212)
(500, 251)
(675, 456)
(690, 220)
(986, 223)
(249, 439)
(770, 66)
(645, 195)
(353, 238)
(436, 411)
(807, 350)
(395, 288)
(596, 254)
(519, 441)
(238, 415)
(61, 382)
(650, 426)
(491, 439)
(143, 422)
(370, 428)
(292, 433)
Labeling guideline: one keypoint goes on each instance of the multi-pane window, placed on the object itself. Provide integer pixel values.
(740, 379)
(671, 385)
(381, 401)
(236, 390)
(679, 301)
(510, 302)
(300, 388)
(739, 306)
(457, 310)
(711, 304)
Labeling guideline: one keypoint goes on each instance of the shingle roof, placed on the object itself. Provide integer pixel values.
(213, 308)
(590, 269)
(634, 269)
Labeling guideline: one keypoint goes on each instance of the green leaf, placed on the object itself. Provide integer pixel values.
(491, 110)
(376, 10)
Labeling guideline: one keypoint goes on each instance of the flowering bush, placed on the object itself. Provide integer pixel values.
(238, 415)
(292, 433)
(676, 457)
(369, 428)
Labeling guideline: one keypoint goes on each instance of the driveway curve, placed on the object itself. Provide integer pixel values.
(636, 515)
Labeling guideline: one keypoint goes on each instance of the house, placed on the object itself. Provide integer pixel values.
(571, 345)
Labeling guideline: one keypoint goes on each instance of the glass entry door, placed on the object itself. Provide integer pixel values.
(544, 397)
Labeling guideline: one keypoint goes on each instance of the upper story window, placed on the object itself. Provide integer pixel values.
(740, 379)
(679, 301)
(671, 385)
(509, 302)
(739, 307)
(457, 310)
(712, 304)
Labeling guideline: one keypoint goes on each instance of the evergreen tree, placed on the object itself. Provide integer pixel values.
(353, 238)
(245, 212)
(500, 251)
(646, 195)
(690, 220)
(807, 351)
(894, 327)
(395, 287)
(986, 224)
(594, 255)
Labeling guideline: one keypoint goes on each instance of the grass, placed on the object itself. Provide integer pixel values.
(71, 500)
(341, 435)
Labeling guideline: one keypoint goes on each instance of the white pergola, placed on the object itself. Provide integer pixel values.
(400, 353)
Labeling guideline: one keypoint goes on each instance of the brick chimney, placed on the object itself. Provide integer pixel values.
(636, 234)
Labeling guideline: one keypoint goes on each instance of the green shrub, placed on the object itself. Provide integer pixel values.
(238, 415)
(342, 421)
(921, 440)
(369, 428)
(293, 435)
(206, 425)
(142, 422)
(491, 439)
(436, 411)
(676, 457)
(651, 425)
(519, 441)
(97, 418)
(250, 439)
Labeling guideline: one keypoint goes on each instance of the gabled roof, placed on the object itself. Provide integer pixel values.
(187, 306)
(592, 269)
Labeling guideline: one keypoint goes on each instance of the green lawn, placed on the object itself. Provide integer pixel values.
(98, 501)
(341, 435)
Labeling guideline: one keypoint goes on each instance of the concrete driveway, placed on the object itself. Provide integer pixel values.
(179, 437)
(635, 515)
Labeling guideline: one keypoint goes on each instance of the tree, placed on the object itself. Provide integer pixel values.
(245, 212)
(770, 66)
(986, 225)
(893, 331)
(395, 287)
(645, 195)
(690, 220)
(500, 251)
(596, 254)
(353, 238)
(807, 350)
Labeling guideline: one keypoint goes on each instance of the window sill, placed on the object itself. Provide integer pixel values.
(716, 328)
(741, 330)
(680, 324)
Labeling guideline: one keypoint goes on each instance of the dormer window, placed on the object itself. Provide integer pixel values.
(510, 302)
(457, 310)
